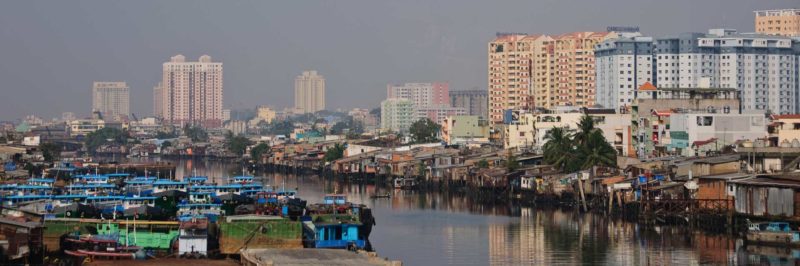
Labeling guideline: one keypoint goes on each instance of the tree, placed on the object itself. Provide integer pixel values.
(558, 148)
(104, 136)
(483, 164)
(196, 133)
(586, 128)
(165, 135)
(334, 153)
(511, 162)
(258, 151)
(339, 128)
(424, 131)
(166, 144)
(236, 144)
(597, 152)
(50, 151)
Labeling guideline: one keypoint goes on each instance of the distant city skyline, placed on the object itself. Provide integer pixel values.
(360, 46)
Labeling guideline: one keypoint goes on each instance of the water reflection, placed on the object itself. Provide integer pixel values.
(434, 228)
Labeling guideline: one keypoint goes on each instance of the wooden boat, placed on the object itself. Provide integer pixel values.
(772, 233)
(98, 247)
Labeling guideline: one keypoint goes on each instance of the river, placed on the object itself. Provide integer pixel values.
(432, 228)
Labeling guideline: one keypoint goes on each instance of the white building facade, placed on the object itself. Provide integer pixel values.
(397, 114)
(622, 65)
(112, 99)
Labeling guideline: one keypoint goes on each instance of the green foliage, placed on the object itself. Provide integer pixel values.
(334, 153)
(165, 135)
(349, 126)
(511, 162)
(258, 151)
(421, 169)
(236, 144)
(196, 133)
(580, 150)
(50, 151)
(483, 164)
(284, 127)
(104, 136)
(424, 131)
(166, 144)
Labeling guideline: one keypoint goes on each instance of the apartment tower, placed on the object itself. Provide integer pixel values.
(192, 92)
(309, 92)
(111, 99)
(782, 22)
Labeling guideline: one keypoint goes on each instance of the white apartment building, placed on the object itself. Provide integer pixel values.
(111, 99)
(694, 133)
(437, 114)
(622, 65)
(309, 92)
(397, 114)
(192, 92)
(763, 68)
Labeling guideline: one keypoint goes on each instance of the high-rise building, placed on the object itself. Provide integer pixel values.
(473, 101)
(509, 74)
(309, 92)
(111, 99)
(575, 68)
(437, 113)
(158, 100)
(783, 22)
(397, 114)
(421, 94)
(762, 68)
(539, 71)
(622, 65)
(192, 92)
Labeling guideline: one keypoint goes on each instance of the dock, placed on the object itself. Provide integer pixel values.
(264, 257)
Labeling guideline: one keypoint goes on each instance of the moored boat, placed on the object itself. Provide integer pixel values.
(772, 233)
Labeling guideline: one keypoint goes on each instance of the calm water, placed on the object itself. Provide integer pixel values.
(440, 229)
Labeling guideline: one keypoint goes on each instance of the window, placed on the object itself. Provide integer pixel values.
(705, 120)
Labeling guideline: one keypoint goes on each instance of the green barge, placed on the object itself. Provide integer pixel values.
(158, 235)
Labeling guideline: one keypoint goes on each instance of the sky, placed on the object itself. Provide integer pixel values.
(52, 51)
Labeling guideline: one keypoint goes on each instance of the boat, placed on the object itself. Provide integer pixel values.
(98, 247)
(337, 223)
(772, 233)
(162, 186)
(91, 189)
(193, 237)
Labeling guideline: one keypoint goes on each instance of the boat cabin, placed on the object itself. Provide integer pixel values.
(242, 179)
(335, 199)
(163, 185)
(196, 180)
(90, 189)
(48, 182)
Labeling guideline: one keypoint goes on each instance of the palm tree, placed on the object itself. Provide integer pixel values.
(597, 152)
(585, 128)
(558, 148)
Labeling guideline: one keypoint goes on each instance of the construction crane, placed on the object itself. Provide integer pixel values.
(134, 117)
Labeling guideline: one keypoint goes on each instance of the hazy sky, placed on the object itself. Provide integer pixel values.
(51, 51)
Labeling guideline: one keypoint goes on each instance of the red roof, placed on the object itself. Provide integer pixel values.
(647, 86)
(699, 143)
(778, 117)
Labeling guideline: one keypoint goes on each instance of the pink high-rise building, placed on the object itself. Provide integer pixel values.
(421, 94)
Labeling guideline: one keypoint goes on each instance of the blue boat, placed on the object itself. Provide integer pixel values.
(48, 182)
(196, 180)
(17, 200)
(241, 179)
(166, 185)
(91, 189)
(772, 233)
(337, 223)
